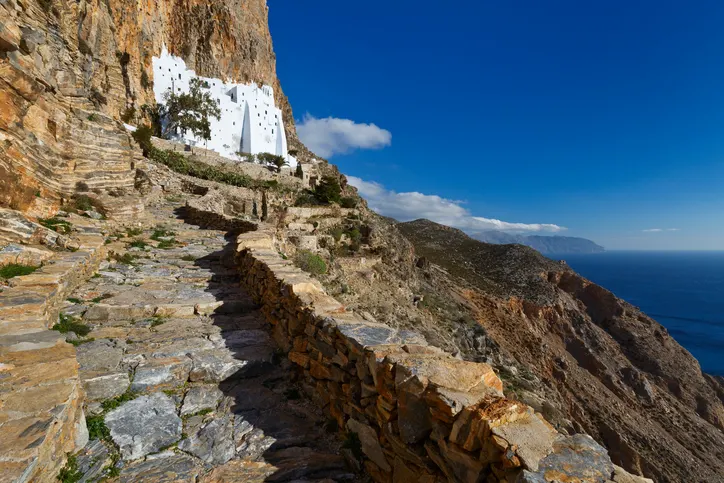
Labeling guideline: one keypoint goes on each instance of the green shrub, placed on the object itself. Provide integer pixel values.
(348, 202)
(272, 161)
(81, 187)
(311, 262)
(157, 320)
(78, 342)
(70, 472)
(68, 323)
(97, 428)
(92, 117)
(354, 235)
(134, 231)
(159, 233)
(143, 135)
(99, 299)
(181, 164)
(16, 270)
(337, 233)
(56, 224)
(306, 198)
(328, 190)
(126, 258)
(85, 203)
(167, 244)
(138, 243)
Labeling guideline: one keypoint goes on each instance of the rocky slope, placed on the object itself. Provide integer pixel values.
(71, 70)
(611, 370)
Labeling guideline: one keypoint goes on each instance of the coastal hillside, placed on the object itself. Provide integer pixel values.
(554, 244)
(617, 373)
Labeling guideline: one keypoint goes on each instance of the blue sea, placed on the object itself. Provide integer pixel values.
(683, 291)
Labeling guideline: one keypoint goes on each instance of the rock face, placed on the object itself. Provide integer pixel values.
(70, 70)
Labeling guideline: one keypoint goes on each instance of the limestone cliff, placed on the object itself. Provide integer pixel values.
(71, 70)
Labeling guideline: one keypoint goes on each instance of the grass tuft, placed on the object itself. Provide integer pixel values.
(111, 404)
(138, 244)
(68, 323)
(16, 270)
(57, 224)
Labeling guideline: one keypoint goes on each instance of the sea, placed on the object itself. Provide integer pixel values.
(683, 291)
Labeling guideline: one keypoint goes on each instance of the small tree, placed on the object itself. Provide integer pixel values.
(245, 157)
(191, 112)
(272, 161)
(298, 172)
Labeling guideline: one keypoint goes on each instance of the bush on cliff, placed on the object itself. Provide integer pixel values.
(328, 190)
(311, 262)
(183, 165)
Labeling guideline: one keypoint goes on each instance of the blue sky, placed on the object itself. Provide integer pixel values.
(603, 118)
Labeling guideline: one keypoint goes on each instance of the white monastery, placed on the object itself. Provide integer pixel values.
(250, 122)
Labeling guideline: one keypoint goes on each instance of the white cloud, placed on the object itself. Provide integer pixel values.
(659, 230)
(414, 205)
(330, 136)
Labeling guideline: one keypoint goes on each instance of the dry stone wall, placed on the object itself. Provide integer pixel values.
(418, 413)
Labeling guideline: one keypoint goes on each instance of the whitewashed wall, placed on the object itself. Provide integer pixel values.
(250, 121)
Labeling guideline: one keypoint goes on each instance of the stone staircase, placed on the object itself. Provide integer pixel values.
(182, 380)
(41, 416)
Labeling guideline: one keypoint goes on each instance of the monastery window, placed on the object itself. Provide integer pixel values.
(179, 77)
(272, 131)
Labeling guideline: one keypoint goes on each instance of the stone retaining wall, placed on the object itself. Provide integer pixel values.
(41, 416)
(418, 413)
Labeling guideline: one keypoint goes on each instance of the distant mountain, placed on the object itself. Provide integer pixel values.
(544, 244)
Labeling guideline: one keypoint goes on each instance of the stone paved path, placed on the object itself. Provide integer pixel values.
(182, 379)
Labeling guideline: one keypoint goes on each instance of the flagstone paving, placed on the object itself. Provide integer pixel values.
(182, 380)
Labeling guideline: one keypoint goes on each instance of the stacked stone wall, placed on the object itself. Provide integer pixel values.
(418, 413)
